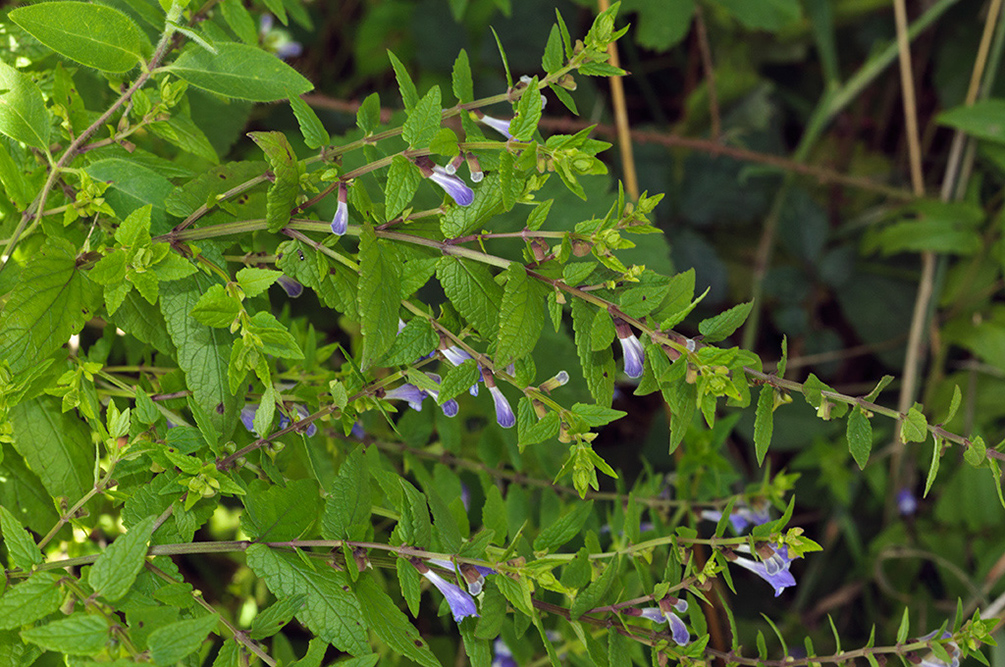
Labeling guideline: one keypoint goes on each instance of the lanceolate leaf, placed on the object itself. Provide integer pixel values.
(80, 634)
(391, 625)
(91, 34)
(240, 71)
(30, 600)
(763, 422)
(113, 574)
(315, 134)
(51, 301)
(859, 433)
(54, 444)
(521, 316)
(379, 296)
(474, 293)
(18, 541)
(285, 169)
(23, 116)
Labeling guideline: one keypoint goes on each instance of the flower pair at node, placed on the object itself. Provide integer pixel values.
(664, 613)
(248, 419)
(414, 396)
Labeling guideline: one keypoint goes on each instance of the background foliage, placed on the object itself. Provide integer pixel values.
(198, 468)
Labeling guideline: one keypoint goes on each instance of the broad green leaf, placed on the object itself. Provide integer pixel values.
(80, 634)
(460, 78)
(564, 528)
(316, 650)
(423, 121)
(30, 600)
(976, 452)
(553, 51)
(409, 582)
(603, 331)
(335, 284)
(216, 308)
(596, 415)
(181, 131)
(415, 527)
(286, 172)
(409, 95)
(368, 114)
(403, 179)
(93, 35)
(23, 116)
(241, 71)
(595, 592)
(240, 21)
(276, 338)
(113, 574)
(414, 341)
(272, 620)
(915, 427)
(982, 119)
(523, 126)
(332, 612)
(379, 296)
(277, 513)
(598, 367)
(254, 281)
(474, 293)
(382, 615)
(529, 429)
(203, 352)
(52, 301)
(724, 324)
(57, 446)
(943, 236)
(348, 507)
(859, 434)
(204, 188)
(177, 640)
(20, 545)
(763, 422)
(458, 380)
(315, 134)
(521, 316)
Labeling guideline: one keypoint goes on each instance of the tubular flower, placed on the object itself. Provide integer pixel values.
(277, 40)
(292, 288)
(774, 569)
(409, 393)
(450, 408)
(474, 168)
(741, 517)
(502, 657)
(340, 223)
(504, 413)
(454, 163)
(474, 575)
(248, 416)
(660, 615)
(461, 604)
(560, 379)
(631, 347)
(284, 421)
(451, 184)
(498, 124)
(907, 504)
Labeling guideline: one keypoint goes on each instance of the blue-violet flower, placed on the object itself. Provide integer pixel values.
(658, 614)
(741, 517)
(340, 223)
(461, 604)
(292, 288)
(774, 569)
(284, 421)
(407, 392)
(277, 40)
(907, 504)
(631, 347)
(498, 124)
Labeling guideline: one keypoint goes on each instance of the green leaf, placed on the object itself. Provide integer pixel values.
(409, 96)
(254, 281)
(115, 570)
(203, 352)
(348, 507)
(460, 79)
(859, 434)
(80, 634)
(529, 429)
(315, 134)
(241, 71)
(414, 341)
(523, 126)
(177, 640)
(982, 119)
(722, 325)
(54, 444)
(521, 316)
(423, 120)
(763, 422)
(403, 180)
(415, 528)
(276, 339)
(598, 367)
(216, 308)
(564, 528)
(240, 21)
(23, 116)
(278, 513)
(933, 468)
(93, 35)
(368, 114)
(30, 600)
(596, 415)
(20, 545)
(458, 380)
(331, 612)
(904, 628)
(50, 302)
(286, 171)
(272, 620)
(181, 131)
(976, 452)
(461, 220)
(954, 404)
(316, 650)
(379, 296)
(474, 293)
(410, 582)
(391, 625)
(914, 427)
(771, 15)
(595, 592)
(603, 332)
(553, 52)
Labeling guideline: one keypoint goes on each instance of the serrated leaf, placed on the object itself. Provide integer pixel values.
(379, 296)
(30, 600)
(598, 367)
(403, 180)
(94, 35)
(523, 126)
(458, 380)
(347, 507)
(414, 341)
(763, 422)
(254, 281)
(177, 640)
(50, 302)
(914, 427)
(724, 324)
(115, 570)
(315, 134)
(80, 634)
(564, 528)
(20, 545)
(57, 445)
(392, 626)
(276, 338)
(423, 120)
(603, 332)
(240, 71)
(553, 51)
(279, 613)
(595, 592)
(474, 293)
(521, 316)
(240, 21)
(954, 405)
(368, 114)
(278, 513)
(460, 78)
(409, 95)
(859, 434)
(596, 415)
(331, 612)
(286, 172)
(23, 116)
(216, 308)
